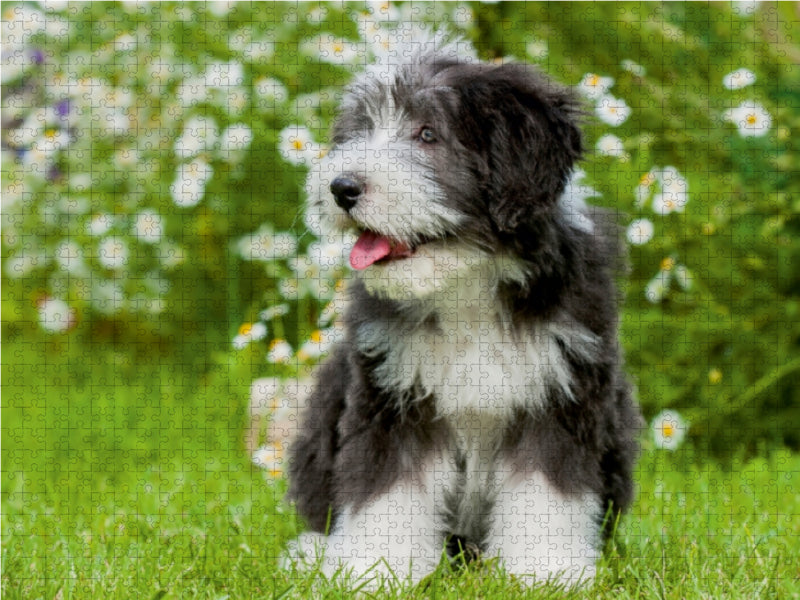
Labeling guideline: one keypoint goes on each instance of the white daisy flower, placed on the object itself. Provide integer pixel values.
(280, 352)
(249, 332)
(274, 312)
(99, 224)
(317, 15)
(634, 68)
(224, 75)
(669, 429)
(610, 145)
(306, 268)
(259, 51)
(289, 288)
(752, 119)
(30, 130)
(69, 257)
(738, 79)
(56, 316)
(190, 183)
(126, 158)
(594, 86)
(683, 276)
(383, 10)
(22, 263)
(640, 232)
(191, 91)
(674, 193)
(235, 139)
(271, 90)
(612, 111)
(171, 255)
(327, 254)
(645, 187)
(657, 287)
(462, 16)
(333, 309)
(148, 227)
(220, 8)
(537, 49)
(745, 8)
(257, 245)
(296, 145)
(270, 458)
(112, 253)
(51, 141)
(312, 348)
(264, 395)
(332, 50)
(285, 244)
(199, 134)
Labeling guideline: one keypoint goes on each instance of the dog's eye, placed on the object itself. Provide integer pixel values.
(427, 135)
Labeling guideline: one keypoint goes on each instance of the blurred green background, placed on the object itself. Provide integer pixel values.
(108, 109)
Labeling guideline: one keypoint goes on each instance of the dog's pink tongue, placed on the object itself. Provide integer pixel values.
(369, 248)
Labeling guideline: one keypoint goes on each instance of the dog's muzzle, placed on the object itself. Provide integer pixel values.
(346, 190)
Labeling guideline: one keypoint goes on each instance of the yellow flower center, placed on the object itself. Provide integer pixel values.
(667, 264)
(338, 48)
(297, 144)
(751, 119)
(245, 329)
(647, 179)
(316, 336)
(50, 133)
(593, 80)
(668, 430)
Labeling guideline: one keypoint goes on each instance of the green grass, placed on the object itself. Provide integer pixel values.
(131, 481)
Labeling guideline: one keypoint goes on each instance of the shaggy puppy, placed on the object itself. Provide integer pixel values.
(477, 402)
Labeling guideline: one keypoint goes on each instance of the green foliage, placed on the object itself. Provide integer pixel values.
(97, 161)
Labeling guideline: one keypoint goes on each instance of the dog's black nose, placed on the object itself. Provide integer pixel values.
(346, 190)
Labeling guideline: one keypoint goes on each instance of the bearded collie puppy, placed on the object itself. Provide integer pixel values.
(477, 405)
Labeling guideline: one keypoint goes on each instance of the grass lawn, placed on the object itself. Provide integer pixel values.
(130, 481)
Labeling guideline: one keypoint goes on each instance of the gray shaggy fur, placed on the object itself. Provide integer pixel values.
(507, 142)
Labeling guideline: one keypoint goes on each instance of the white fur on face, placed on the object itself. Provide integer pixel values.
(401, 198)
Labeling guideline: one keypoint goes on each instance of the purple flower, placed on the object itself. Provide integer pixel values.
(62, 107)
(37, 56)
(54, 173)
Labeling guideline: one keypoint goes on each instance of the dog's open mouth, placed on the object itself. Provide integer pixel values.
(371, 248)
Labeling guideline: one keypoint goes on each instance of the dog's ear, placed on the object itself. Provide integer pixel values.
(526, 130)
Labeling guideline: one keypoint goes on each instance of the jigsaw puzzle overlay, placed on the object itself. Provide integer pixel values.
(329, 276)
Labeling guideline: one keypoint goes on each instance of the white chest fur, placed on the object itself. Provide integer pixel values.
(473, 360)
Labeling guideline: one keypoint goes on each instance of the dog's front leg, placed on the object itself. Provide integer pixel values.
(539, 531)
(393, 534)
